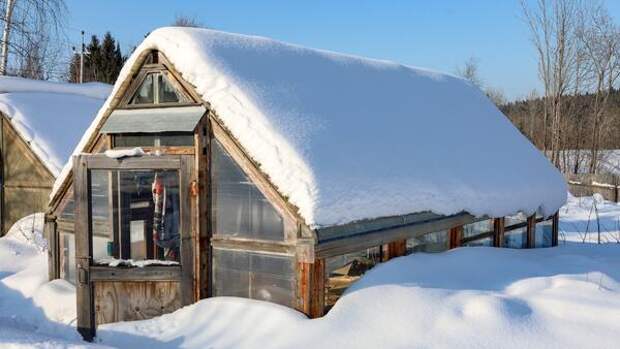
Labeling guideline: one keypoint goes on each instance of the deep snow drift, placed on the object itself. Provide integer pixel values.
(346, 138)
(50, 116)
(477, 297)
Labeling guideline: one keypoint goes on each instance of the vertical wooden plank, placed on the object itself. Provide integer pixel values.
(53, 258)
(393, 249)
(201, 168)
(531, 231)
(83, 246)
(498, 232)
(555, 227)
(187, 249)
(456, 234)
(311, 288)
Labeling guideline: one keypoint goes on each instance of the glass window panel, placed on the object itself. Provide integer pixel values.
(254, 275)
(146, 207)
(477, 228)
(146, 91)
(101, 224)
(544, 233)
(516, 219)
(130, 140)
(480, 242)
(168, 139)
(516, 238)
(344, 270)
(240, 209)
(67, 253)
(167, 92)
(176, 139)
(431, 242)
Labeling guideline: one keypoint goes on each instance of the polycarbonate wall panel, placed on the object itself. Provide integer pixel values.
(262, 276)
(239, 208)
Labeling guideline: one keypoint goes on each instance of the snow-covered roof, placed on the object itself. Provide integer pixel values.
(50, 116)
(346, 138)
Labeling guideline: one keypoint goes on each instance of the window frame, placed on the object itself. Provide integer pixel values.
(137, 81)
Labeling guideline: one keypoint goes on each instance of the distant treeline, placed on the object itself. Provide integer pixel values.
(525, 115)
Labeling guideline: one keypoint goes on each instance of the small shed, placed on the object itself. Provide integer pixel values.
(233, 165)
(40, 123)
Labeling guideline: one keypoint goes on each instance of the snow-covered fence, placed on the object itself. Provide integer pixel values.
(607, 185)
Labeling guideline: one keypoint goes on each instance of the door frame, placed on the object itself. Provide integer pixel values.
(87, 273)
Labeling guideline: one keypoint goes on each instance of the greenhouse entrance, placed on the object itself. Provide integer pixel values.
(134, 251)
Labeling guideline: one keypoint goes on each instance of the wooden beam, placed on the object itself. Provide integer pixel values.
(149, 273)
(498, 232)
(186, 227)
(455, 237)
(380, 237)
(312, 288)
(555, 227)
(83, 248)
(393, 249)
(51, 234)
(531, 231)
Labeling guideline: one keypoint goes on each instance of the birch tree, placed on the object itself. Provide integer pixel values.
(28, 24)
(600, 38)
(552, 31)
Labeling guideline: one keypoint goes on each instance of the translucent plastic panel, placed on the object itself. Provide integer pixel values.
(254, 275)
(431, 242)
(544, 234)
(516, 219)
(344, 270)
(477, 228)
(480, 242)
(167, 92)
(144, 209)
(239, 208)
(516, 238)
(146, 91)
(67, 253)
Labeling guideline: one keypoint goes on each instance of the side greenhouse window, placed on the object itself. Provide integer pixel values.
(263, 276)
(239, 208)
(515, 231)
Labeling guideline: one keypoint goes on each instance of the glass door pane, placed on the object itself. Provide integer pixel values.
(135, 215)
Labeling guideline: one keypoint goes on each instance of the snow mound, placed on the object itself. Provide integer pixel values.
(346, 138)
(478, 297)
(50, 116)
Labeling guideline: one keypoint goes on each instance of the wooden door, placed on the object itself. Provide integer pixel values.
(105, 291)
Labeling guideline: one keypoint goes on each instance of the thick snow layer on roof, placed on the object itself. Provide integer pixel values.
(89, 89)
(50, 116)
(347, 138)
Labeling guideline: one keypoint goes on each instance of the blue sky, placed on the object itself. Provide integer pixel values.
(434, 34)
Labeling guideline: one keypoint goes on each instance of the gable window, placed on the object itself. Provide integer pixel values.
(157, 88)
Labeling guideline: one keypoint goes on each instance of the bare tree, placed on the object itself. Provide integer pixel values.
(552, 27)
(469, 71)
(600, 39)
(185, 21)
(28, 25)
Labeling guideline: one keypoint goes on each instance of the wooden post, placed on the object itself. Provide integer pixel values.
(83, 250)
(531, 231)
(456, 234)
(393, 249)
(53, 260)
(498, 232)
(312, 288)
(187, 247)
(555, 228)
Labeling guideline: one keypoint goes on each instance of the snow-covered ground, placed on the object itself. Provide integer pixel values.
(478, 297)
